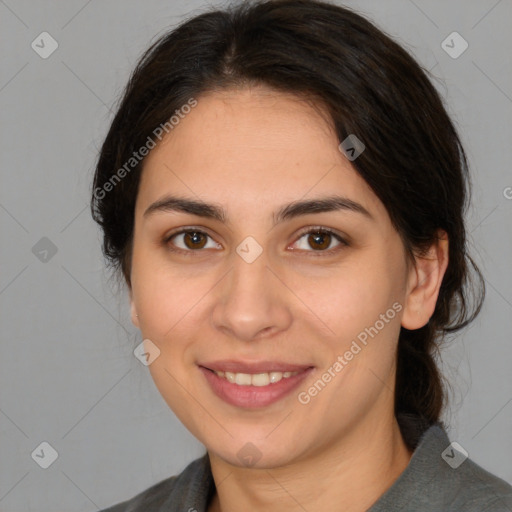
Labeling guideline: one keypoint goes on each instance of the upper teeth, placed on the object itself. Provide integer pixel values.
(257, 379)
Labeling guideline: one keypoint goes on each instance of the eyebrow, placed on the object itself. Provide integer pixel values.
(286, 212)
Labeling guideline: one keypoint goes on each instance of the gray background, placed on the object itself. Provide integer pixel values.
(67, 372)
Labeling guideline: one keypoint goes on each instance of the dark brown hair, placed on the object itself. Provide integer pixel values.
(370, 86)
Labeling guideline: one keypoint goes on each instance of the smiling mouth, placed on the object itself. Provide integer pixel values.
(254, 379)
(254, 373)
(249, 386)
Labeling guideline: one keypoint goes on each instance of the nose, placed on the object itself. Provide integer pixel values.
(252, 302)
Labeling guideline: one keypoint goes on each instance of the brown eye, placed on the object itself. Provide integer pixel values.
(320, 240)
(194, 239)
(189, 241)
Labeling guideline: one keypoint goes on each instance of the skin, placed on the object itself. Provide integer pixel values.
(253, 150)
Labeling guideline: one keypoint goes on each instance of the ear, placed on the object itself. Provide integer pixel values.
(133, 311)
(424, 283)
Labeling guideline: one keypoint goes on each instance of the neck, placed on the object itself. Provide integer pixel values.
(349, 475)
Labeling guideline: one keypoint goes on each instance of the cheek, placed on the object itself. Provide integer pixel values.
(354, 297)
(362, 305)
(165, 304)
(163, 294)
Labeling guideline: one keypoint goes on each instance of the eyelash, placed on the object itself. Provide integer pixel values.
(310, 230)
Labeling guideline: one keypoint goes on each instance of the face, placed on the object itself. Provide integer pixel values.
(255, 290)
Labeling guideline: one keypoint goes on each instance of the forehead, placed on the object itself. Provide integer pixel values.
(252, 121)
(252, 144)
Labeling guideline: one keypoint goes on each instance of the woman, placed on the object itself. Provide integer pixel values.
(284, 194)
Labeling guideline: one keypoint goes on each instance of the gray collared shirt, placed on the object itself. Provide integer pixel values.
(430, 483)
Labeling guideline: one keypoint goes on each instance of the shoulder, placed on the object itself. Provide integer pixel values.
(188, 490)
(467, 486)
(472, 488)
(441, 477)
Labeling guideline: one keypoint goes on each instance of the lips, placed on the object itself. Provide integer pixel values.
(253, 368)
(253, 385)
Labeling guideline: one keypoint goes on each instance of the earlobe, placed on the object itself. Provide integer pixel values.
(425, 278)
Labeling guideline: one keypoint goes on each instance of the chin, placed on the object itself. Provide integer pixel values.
(255, 449)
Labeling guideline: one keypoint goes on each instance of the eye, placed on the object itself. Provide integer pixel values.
(320, 239)
(192, 240)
